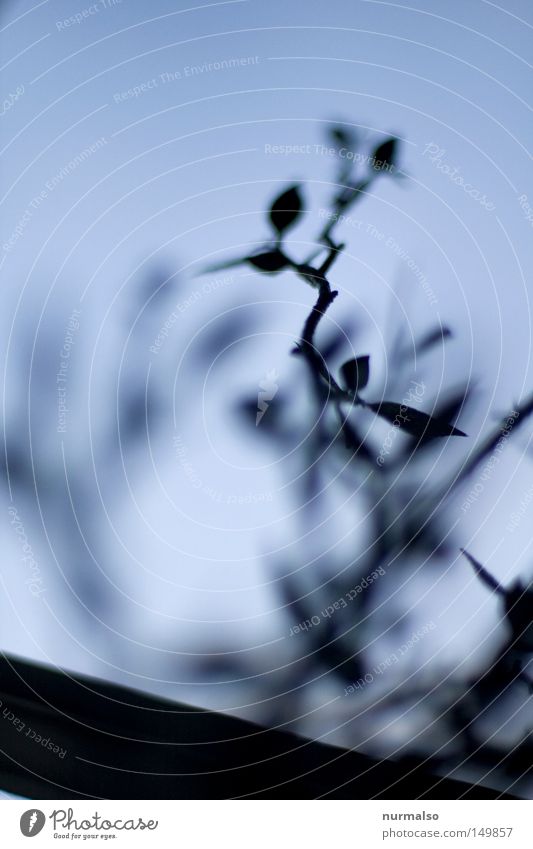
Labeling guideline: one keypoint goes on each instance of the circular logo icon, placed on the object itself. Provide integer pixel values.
(32, 822)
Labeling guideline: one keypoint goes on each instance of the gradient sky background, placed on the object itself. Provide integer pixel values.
(157, 567)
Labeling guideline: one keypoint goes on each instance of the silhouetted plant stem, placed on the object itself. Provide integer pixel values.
(404, 511)
(325, 299)
(347, 197)
(524, 411)
(326, 296)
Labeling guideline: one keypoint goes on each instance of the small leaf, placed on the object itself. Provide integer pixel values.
(355, 374)
(286, 209)
(439, 334)
(415, 422)
(482, 574)
(269, 261)
(454, 404)
(384, 156)
(447, 411)
(343, 137)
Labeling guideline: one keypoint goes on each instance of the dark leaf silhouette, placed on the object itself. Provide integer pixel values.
(343, 137)
(286, 209)
(485, 577)
(518, 608)
(384, 156)
(414, 422)
(439, 334)
(269, 261)
(453, 404)
(447, 411)
(355, 373)
(518, 601)
(519, 612)
(272, 260)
